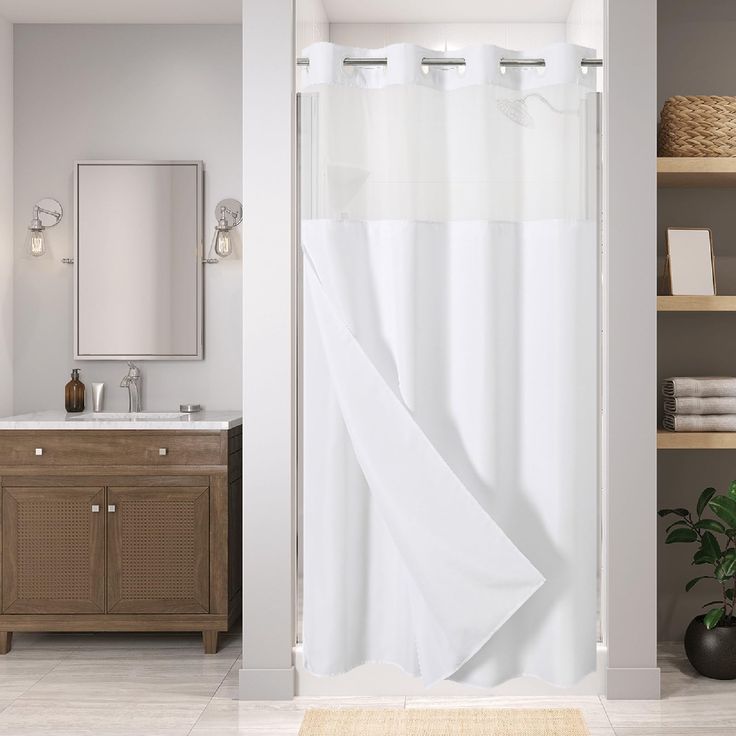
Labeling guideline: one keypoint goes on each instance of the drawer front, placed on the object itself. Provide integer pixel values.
(85, 447)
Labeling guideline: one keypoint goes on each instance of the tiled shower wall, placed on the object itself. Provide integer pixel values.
(312, 24)
(583, 26)
(448, 36)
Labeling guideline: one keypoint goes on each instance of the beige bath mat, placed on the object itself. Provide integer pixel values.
(441, 722)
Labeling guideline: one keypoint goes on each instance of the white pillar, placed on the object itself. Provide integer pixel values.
(631, 204)
(268, 339)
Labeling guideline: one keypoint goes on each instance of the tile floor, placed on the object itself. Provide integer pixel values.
(151, 685)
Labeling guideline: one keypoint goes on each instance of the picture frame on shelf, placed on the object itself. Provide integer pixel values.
(690, 268)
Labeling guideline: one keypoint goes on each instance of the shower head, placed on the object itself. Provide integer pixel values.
(517, 110)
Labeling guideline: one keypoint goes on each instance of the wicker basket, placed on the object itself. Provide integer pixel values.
(698, 126)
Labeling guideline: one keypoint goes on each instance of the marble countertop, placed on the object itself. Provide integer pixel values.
(202, 420)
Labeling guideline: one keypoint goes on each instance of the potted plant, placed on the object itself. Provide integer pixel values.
(710, 639)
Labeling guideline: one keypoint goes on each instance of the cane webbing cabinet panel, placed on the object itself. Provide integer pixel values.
(157, 550)
(53, 550)
(122, 537)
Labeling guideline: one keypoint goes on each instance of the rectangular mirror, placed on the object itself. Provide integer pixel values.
(138, 260)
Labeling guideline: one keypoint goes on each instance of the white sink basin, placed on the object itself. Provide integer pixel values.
(143, 416)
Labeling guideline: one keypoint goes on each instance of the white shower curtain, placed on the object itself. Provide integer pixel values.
(450, 414)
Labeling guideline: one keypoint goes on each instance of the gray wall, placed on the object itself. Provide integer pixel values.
(6, 217)
(122, 92)
(696, 42)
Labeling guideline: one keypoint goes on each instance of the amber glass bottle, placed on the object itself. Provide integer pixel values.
(74, 393)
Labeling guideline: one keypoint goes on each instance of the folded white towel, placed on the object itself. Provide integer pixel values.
(700, 422)
(697, 405)
(706, 386)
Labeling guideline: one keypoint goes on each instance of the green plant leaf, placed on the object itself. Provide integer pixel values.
(681, 535)
(729, 557)
(712, 618)
(724, 507)
(681, 522)
(710, 524)
(703, 558)
(726, 569)
(712, 603)
(679, 512)
(705, 496)
(732, 489)
(710, 545)
(692, 583)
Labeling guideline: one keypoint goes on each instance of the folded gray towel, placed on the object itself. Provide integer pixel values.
(700, 422)
(696, 405)
(706, 386)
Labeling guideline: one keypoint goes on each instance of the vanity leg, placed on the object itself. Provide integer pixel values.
(209, 639)
(6, 639)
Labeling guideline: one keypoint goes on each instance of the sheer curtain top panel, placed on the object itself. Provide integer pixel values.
(408, 141)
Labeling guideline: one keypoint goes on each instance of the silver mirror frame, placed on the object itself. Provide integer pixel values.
(199, 355)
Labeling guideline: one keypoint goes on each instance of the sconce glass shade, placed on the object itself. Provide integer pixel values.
(223, 244)
(36, 242)
(229, 214)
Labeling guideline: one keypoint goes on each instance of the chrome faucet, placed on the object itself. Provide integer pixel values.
(133, 383)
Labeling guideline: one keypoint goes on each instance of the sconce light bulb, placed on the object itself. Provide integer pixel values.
(37, 243)
(223, 245)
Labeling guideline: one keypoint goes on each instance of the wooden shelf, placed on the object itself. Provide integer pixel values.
(696, 172)
(696, 440)
(696, 303)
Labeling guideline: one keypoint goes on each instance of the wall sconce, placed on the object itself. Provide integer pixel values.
(229, 214)
(46, 213)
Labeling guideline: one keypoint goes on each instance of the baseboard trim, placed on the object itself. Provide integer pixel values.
(632, 683)
(266, 684)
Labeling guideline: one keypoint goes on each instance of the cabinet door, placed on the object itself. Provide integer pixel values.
(158, 550)
(53, 547)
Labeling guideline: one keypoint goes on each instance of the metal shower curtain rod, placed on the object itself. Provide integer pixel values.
(442, 61)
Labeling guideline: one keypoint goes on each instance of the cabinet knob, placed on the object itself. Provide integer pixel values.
(39, 451)
(111, 508)
(163, 451)
(95, 508)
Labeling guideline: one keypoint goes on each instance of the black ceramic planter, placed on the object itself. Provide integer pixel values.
(712, 653)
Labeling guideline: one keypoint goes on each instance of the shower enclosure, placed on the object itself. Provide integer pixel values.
(449, 371)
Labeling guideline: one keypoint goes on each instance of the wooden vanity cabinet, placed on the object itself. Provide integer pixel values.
(148, 542)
